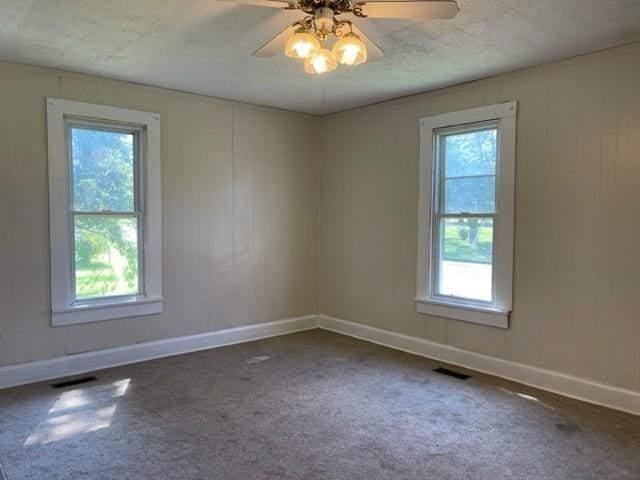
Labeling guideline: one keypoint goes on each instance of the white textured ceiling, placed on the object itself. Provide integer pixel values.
(204, 46)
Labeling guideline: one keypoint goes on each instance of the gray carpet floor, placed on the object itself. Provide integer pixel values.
(311, 405)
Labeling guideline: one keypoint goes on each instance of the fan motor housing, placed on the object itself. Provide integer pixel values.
(324, 18)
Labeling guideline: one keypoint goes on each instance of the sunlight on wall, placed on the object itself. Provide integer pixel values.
(82, 415)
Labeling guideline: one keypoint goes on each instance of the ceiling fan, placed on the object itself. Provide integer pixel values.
(323, 22)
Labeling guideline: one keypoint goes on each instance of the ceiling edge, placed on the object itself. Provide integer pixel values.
(442, 90)
(446, 89)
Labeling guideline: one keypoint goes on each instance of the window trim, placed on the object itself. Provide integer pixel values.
(64, 311)
(497, 313)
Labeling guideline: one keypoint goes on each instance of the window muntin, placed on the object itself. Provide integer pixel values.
(463, 217)
(106, 217)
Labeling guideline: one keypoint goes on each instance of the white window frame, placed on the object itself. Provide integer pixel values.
(495, 313)
(64, 311)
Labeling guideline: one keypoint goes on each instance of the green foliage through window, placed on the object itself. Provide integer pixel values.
(469, 187)
(468, 240)
(470, 168)
(103, 170)
(106, 245)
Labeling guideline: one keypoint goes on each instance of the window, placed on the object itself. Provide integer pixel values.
(104, 189)
(465, 256)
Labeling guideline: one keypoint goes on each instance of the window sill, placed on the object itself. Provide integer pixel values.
(96, 312)
(467, 313)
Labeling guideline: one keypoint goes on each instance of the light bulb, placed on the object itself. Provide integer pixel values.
(302, 44)
(350, 50)
(350, 54)
(321, 62)
(303, 48)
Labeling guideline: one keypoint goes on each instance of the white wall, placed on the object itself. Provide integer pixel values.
(240, 216)
(239, 192)
(577, 239)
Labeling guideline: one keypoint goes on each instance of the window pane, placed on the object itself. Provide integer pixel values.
(466, 258)
(470, 153)
(106, 256)
(470, 195)
(103, 170)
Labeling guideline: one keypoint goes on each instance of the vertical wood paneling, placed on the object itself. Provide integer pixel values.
(245, 192)
(584, 326)
(530, 195)
(527, 175)
(606, 209)
(333, 223)
(190, 225)
(557, 210)
(275, 211)
(405, 187)
(577, 222)
(198, 189)
(28, 218)
(217, 215)
(6, 236)
(364, 223)
(173, 218)
(626, 229)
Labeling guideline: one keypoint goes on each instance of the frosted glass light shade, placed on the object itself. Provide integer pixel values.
(350, 50)
(321, 62)
(302, 44)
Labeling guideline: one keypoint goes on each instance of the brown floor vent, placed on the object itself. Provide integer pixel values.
(75, 381)
(451, 373)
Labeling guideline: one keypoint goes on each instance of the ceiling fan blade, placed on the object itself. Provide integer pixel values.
(276, 44)
(412, 9)
(264, 3)
(374, 52)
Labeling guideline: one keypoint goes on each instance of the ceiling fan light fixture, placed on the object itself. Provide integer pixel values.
(320, 62)
(323, 22)
(350, 50)
(302, 44)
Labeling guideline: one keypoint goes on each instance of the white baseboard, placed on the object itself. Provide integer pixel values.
(30, 372)
(563, 384)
